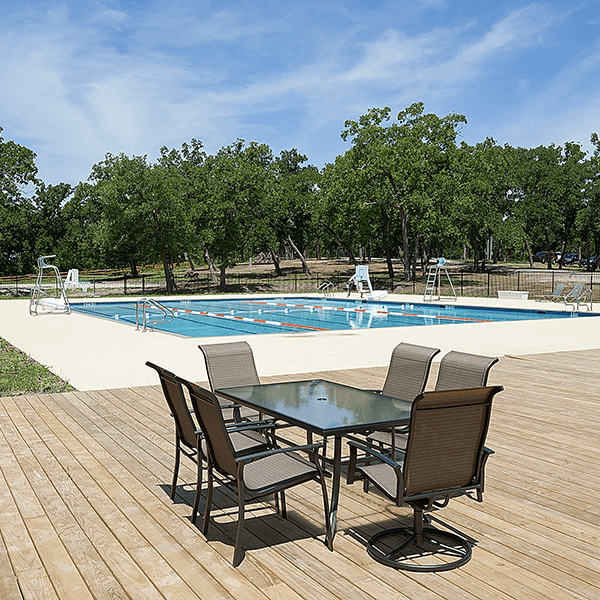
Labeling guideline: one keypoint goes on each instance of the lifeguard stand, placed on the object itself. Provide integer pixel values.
(434, 282)
(362, 282)
(41, 299)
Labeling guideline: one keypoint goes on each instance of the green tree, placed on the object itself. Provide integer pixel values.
(481, 203)
(404, 167)
(18, 180)
(143, 215)
(548, 193)
(238, 182)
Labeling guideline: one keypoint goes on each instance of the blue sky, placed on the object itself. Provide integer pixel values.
(80, 79)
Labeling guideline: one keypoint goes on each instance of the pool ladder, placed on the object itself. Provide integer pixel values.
(143, 303)
(326, 288)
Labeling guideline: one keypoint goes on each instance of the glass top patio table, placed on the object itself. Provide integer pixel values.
(323, 407)
(327, 409)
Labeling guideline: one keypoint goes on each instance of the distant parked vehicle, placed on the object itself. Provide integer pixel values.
(570, 258)
(588, 261)
(543, 257)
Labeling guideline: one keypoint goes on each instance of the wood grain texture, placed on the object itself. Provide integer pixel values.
(85, 509)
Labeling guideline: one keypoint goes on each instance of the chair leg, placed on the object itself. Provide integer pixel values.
(198, 489)
(209, 492)
(175, 468)
(238, 552)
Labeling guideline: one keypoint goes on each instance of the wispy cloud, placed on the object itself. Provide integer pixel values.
(80, 80)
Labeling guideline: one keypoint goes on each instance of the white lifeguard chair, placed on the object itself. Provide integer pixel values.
(42, 299)
(362, 282)
(434, 282)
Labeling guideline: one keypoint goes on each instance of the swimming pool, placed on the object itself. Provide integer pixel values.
(250, 316)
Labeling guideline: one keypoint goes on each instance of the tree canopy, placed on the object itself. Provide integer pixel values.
(404, 190)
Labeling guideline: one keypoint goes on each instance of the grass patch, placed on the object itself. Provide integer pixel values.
(20, 374)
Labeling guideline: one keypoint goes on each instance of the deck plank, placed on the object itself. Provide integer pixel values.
(85, 481)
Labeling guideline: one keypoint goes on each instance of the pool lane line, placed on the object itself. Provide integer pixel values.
(247, 319)
(364, 310)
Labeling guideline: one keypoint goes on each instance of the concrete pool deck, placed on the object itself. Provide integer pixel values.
(93, 353)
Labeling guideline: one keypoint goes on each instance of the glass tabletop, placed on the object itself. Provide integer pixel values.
(323, 407)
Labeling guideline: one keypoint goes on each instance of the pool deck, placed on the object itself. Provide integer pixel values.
(93, 353)
(85, 512)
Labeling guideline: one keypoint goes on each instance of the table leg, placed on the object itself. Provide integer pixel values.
(335, 489)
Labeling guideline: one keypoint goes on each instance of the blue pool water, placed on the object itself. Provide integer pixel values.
(217, 318)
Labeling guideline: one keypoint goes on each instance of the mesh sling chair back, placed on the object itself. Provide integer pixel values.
(256, 475)
(445, 457)
(406, 378)
(231, 364)
(188, 435)
(461, 370)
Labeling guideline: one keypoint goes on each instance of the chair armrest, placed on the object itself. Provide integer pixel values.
(257, 455)
(246, 425)
(372, 452)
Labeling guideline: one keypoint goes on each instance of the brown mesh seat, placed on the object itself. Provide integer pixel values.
(188, 435)
(445, 457)
(406, 379)
(254, 475)
(231, 364)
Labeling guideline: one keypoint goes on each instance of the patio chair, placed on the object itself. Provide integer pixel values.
(231, 364)
(188, 436)
(256, 475)
(460, 370)
(576, 295)
(557, 294)
(445, 457)
(406, 378)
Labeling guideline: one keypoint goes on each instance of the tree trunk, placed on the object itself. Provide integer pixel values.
(276, 264)
(476, 254)
(529, 253)
(222, 278)
(169, 277)
(190, 261)
(212, 268)
(134, 271)
(302, 259)
(562, 254)
(415, 255)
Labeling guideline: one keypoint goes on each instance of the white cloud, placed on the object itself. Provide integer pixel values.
(125, 77)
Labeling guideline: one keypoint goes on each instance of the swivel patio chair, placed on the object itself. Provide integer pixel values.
(231, 364)
(188, 435)
(256, 475)
(458, 370)
(445, 457)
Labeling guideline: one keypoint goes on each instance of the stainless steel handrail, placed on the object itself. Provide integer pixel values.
(146, 323)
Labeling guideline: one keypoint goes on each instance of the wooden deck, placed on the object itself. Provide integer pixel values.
(85, 510)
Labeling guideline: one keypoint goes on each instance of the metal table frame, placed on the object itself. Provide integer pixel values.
(307, 404)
